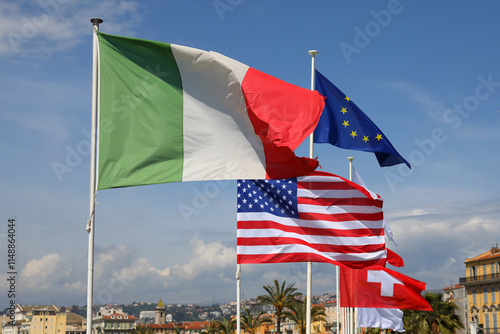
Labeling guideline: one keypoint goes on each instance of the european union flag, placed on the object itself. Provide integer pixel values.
(344, 125)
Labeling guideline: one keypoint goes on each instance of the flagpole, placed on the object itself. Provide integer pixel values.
(90, 223)
(238, 298)
(313, 54)
(352, 322)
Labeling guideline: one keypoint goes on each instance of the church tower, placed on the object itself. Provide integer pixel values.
(160, 313)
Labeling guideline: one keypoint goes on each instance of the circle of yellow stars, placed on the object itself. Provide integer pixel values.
(355, 133)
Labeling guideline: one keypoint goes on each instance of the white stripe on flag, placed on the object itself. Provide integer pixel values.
(344, 225)
(293, 248)
(313, 239)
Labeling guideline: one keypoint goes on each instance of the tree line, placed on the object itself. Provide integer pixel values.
(284, 299)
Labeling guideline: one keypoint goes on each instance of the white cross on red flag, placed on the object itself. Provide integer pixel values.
(381, 288)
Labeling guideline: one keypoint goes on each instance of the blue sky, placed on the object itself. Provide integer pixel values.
(425, 72)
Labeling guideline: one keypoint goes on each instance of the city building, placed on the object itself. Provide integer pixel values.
(331, 316)
(160, 313)
(75, 324)
(37, 319)
(482, 283)
(457, 294)
(116, 323)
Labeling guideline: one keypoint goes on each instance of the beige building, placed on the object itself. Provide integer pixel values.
(46, 321)
(116, 323)
(482, 283)
(75, 324)
(37, 319)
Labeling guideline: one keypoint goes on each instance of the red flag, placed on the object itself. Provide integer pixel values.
(381, 288)
(394, 259)
(320, 217)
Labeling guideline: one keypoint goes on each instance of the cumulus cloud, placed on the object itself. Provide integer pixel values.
(40, 28)
(428, 235)
(119, 275)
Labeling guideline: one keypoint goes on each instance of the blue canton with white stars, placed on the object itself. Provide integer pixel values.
(278, 197)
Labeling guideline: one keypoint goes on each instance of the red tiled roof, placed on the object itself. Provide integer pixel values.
(491, 254)
(454, 286)
(115, 315)
(182, 325)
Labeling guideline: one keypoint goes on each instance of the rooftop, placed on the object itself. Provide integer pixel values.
(494, 252)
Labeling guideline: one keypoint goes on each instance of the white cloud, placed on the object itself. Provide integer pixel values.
(119, 275)
(40, 28)
(429, 104)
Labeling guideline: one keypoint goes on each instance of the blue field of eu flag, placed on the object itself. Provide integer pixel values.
(344, 125)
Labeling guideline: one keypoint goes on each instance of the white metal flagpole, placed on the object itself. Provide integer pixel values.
(93, 150)
(238, 298)
(313, 54)
(352, 313)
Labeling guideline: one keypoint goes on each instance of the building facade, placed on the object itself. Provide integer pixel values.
(482, 283)
(457, 294)
(116, 323)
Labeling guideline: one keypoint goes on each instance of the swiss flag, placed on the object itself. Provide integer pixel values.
(381, 288)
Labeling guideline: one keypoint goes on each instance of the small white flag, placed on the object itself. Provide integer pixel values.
(384, 318)
(357, 179)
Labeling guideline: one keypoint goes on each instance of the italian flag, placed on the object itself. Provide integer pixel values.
(170, 113)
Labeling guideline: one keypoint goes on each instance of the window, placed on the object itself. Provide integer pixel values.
(485, 295)
(492, 269)
(474, 301)
(495, 321)
(493, 295)
(487, 321)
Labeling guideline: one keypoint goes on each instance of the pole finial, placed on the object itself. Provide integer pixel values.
(96, 21)
(313, 52)
(350, 159)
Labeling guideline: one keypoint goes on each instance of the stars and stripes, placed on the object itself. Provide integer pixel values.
(317, 218)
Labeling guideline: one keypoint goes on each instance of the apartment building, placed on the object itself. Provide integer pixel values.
(482, 284)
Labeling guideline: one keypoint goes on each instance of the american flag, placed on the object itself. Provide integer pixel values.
(321, 217)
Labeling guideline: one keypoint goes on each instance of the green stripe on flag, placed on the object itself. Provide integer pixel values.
(141, 113)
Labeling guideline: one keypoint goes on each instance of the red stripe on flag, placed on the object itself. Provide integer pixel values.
(312, 185)
(320, 247)
(305, 257)
(267, 224)
(325, 201)
(341, 217)
(348, 231)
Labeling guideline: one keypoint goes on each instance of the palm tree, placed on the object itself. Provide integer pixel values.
(253, 319)
(281, 298)
(142, 329)
(177, 330)
(298, 314)
(442, 319)
(225, 326)
(211, 329)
